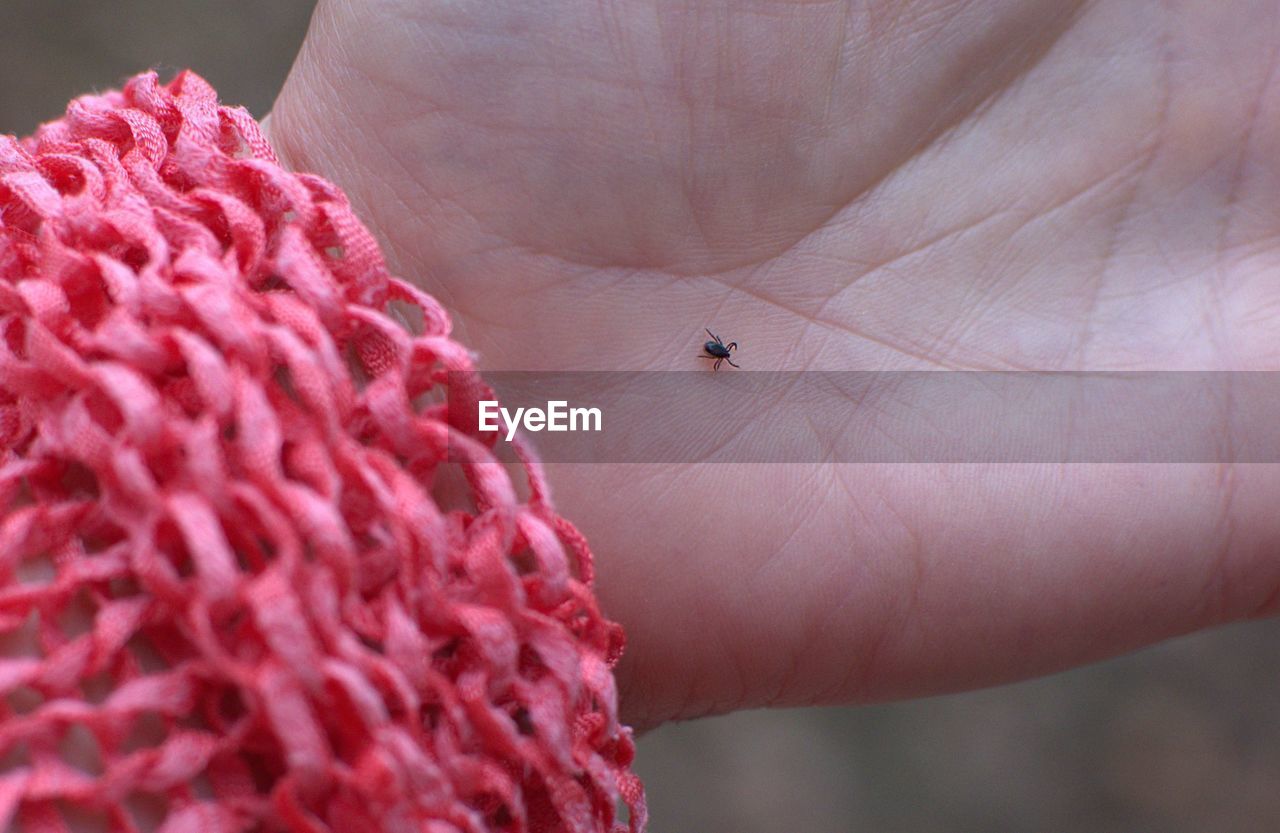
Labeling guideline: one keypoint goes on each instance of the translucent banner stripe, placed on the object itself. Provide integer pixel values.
(887, 417)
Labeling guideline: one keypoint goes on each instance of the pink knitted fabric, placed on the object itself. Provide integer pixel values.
(228, 598)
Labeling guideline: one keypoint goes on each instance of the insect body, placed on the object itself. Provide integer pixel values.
(718, 350)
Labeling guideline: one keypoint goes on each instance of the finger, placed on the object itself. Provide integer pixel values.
(865, 583)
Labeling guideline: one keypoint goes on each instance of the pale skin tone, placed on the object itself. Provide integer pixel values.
(997, 184)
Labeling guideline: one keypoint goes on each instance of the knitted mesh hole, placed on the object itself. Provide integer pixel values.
(135, 257)
(523, 562)
(84, 819)
(15, 755)
(37, 570)
(451, 490)
(23, 700)
(100, 535)
(78, 481)
(146, 730)
(18, 636)
(103, 411)
(147, 810)
(169, 544)
(271, 283)
(144, 655)
(79, 749)
(121, 587)
(88, 303)
(98, 687)
(77, 616)
(283, 380)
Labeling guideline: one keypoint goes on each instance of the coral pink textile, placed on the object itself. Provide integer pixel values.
(228, 598)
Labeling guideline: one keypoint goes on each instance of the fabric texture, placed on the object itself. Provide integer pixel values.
(230, 596)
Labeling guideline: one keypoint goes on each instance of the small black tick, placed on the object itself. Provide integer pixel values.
(718, 350)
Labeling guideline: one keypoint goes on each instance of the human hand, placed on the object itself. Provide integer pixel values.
(1009, 184)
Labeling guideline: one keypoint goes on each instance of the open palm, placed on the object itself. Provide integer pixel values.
(1005, 184)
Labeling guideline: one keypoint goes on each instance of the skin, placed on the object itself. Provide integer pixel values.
(915, 184)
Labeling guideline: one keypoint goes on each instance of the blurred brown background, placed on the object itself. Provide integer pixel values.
(1182, 738)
